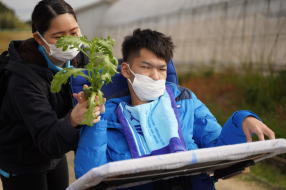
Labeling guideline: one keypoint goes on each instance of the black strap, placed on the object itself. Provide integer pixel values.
(24, 71)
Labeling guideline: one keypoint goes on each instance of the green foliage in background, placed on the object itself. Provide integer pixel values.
(264, 94)
(231, 89)
(267, 174)
(8, 19)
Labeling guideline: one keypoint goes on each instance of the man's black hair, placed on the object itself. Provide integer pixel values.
(156, 42)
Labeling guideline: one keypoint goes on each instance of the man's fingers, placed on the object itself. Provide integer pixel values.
(254, 126)
(259, 132)
(248, 135)
(260, 135)
(268, 132)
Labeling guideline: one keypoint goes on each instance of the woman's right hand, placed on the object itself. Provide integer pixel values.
(79, 110)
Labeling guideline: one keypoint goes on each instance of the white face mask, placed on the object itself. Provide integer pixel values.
(146, 88)
(58, 53)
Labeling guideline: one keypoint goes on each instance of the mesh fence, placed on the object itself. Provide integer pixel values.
(206, 31)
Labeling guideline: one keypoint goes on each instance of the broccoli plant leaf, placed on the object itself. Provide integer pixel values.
(101, 67)
(67, 42)
(62, 77)
(109, 66)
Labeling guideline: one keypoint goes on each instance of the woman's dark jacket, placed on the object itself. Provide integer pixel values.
(35, 127)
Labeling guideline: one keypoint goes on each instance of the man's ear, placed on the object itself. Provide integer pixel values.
(125, 71)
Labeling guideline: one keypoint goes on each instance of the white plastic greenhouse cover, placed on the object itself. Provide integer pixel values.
(218, 160)
(126, 11)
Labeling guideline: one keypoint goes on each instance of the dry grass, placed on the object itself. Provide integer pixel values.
(7, 36)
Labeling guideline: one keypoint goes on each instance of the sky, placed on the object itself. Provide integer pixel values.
(24, 8)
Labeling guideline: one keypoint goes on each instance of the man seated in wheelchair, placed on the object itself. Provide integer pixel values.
(158, 117)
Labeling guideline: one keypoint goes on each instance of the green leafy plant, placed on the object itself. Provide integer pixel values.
(101, 67)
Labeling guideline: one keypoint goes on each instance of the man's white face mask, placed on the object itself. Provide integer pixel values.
(146, 88)
(58, 53)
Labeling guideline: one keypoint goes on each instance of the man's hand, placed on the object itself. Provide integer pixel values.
(251, 125)
(79, 110)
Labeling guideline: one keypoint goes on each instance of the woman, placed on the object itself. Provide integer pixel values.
(39, 127)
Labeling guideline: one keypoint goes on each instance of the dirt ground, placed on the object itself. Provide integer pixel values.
(237, 184)
(229, 184)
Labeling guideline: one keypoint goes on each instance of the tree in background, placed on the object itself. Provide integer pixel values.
(8, 19)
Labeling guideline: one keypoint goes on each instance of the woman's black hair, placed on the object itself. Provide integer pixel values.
(45, 11)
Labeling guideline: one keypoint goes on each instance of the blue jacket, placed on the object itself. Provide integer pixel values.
(105, 142)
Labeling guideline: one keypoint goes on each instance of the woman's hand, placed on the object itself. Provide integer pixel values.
(251, 125)
(98, 110)
(79, 110)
